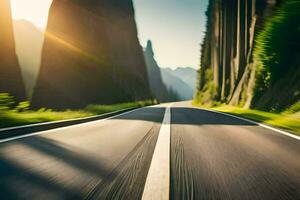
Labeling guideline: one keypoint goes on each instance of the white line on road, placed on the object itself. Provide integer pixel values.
(258, 124)
(158, 179)
(65, 127)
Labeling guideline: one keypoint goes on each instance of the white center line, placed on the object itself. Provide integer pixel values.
(158, 180)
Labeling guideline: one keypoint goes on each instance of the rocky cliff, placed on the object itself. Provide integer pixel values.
(158, 88)
(10, 73)
(91, 55)
(232, 53)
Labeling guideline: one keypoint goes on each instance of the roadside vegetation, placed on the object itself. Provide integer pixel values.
(276, 55)
(289, 119)
(12, 114)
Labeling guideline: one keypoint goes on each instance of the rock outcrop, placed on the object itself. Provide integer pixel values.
(91, 55)
(10, 73)
(158, 88)
(231, 59)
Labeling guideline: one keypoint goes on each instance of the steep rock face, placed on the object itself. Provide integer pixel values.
(227, 45)
(157, 86)
(230, 70)
(10, 73)
(91, 55)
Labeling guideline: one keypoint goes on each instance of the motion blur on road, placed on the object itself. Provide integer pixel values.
(150, 100)
(213, 156)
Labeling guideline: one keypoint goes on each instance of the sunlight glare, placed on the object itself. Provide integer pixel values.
(35, 11)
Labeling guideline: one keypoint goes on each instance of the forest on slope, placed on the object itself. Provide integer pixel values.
(250, 55)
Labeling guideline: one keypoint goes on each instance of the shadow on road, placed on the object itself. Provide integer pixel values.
(49, 176)
(47, 169)
(183, 115)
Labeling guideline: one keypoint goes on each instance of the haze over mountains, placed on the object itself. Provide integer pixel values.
(187, 75)
(167, 84)
(29, 42)
(171, 80)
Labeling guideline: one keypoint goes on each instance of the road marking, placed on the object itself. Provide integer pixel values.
(63, 128)
(158, 179)
(258, 124)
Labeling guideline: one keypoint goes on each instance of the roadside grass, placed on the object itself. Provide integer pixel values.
(12, 117)
(285, 120)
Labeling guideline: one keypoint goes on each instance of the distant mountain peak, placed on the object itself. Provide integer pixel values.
(149, 48)
(186, 74)
(22, 21)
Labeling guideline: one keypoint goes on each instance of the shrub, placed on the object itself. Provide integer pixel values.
(6, 102)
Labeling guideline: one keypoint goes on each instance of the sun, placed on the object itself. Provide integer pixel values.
(35, 11)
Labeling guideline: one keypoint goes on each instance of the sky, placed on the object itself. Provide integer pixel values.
(35, 11)
(175, 27)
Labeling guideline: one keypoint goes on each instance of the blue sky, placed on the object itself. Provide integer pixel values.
(175, 27)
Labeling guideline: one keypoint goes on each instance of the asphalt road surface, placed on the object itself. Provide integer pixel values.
(159, 152)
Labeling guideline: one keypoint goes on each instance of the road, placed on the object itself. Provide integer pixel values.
(195, 154)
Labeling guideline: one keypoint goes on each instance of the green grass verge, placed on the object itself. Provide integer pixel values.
(288, 121)
(9, 118)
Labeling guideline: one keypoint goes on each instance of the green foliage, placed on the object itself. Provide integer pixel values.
(294, 108)
(276, 54)
(207, 95)
(6, 101)
(281, 120)
(23, 106)
(15, 115)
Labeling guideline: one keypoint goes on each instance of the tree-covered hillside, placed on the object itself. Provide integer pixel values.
(250, 54)
(277, 57)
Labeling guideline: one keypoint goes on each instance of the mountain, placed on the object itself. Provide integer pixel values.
(91, 55)
(187, 75)
(10, 77)
(29, 41)
(248, 58)
(176, 84)
(158, 88)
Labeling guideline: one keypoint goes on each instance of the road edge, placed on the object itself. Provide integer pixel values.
(256, 123)
(14, 133)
